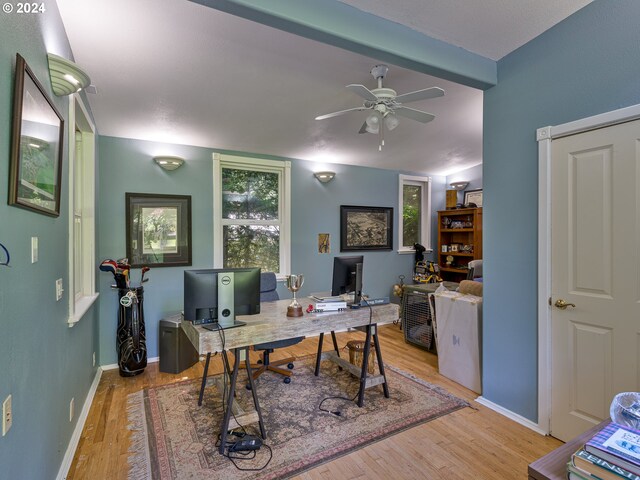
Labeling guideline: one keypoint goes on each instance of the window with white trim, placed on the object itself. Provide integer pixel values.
(251, 213)
(414, 220)
(81, 210)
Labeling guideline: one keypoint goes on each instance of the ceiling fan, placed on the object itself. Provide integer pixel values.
(386, 105)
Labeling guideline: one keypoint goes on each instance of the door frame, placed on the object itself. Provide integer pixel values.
(545, 136)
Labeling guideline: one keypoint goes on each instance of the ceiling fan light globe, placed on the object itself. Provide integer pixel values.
(373, 120)
(391, 122)
(375, 129)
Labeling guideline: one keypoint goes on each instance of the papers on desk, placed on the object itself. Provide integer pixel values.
(322, 297)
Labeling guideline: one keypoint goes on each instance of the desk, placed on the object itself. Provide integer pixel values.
(272, 324)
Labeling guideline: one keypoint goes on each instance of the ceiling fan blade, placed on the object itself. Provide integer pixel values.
(424, 94)
(341, 112)
(363, 128)
(363, 91)
(414, 114)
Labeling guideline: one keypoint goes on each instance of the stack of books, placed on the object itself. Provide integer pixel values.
(612, 454)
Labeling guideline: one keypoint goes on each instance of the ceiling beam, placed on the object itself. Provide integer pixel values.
(340, 25)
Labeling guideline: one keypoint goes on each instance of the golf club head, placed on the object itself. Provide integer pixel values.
(108, 266)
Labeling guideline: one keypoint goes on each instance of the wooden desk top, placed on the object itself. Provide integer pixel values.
(553, 466)
(272, 324)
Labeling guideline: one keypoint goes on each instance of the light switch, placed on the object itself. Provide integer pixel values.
(59, 289)
(34, 249)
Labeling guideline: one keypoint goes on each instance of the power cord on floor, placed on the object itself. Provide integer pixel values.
(337, 413)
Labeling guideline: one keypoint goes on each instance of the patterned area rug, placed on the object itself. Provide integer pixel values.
(173, 438)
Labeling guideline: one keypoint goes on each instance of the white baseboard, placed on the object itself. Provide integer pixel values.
(113, 366)
(511, 415)
(77, 432)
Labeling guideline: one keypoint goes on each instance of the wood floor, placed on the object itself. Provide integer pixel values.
(472, 443)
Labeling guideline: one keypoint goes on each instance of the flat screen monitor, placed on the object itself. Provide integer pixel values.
(347, 276)
(214, 297)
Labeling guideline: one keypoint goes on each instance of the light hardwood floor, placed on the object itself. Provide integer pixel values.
(472, 443)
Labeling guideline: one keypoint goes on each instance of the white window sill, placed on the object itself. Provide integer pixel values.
(407, 251)
(81, 307)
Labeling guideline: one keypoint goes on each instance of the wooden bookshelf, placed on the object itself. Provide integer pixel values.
(459, 227)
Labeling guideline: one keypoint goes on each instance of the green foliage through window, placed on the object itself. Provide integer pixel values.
(411, 202)
(250, 209)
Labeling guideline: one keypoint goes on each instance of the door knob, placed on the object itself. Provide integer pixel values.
(562, 305)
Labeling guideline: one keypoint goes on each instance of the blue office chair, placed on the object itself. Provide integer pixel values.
(268, 293)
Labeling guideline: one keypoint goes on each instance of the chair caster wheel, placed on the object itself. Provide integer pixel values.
(290, 366)
(287, 380)
(248, 387)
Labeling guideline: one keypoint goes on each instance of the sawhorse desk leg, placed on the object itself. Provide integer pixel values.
(224, 428)
(319, 354)
(366, 380)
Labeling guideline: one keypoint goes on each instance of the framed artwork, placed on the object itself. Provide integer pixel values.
(366, 228)
(35, 170)
(158, 230)
(324, 243)
(473, 196)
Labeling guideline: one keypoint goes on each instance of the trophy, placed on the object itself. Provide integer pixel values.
(294, 282)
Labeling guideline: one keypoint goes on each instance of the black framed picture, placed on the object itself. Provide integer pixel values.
(35, 171)
(158, 229)
(473, 196)
(366, 228)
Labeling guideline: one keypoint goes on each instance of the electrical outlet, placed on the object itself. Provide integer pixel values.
(59, 289)
(34, 249)
(7, 415)
(71, 409)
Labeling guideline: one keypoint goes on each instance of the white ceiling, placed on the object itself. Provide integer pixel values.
(178, 72)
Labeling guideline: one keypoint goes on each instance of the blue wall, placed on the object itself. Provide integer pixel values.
(587, 64)
(126, 166)
(44, 363)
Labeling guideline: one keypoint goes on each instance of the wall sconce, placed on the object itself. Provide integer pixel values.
(66, 76)
(324, 177)
(169, 163)
(459, 185)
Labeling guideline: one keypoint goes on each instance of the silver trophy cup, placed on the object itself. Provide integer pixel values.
(294, 283)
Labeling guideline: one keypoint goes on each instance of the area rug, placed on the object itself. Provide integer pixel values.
(173, 438)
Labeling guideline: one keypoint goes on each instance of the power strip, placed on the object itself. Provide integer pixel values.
(246, 444)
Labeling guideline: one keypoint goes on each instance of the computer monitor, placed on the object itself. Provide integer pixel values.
(347, 276)
(214, 297)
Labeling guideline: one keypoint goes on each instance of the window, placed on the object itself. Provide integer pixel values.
(81, 211)
(414, 222)
(251, 213)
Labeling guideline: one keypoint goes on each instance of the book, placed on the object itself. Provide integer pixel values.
(330, 306)
(575, 473)
(600, 468)
(618, 445)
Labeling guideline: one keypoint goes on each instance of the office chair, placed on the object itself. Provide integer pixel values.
(268, 293)
(475, 270)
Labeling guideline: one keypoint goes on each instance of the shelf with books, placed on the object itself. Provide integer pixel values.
(459, 241)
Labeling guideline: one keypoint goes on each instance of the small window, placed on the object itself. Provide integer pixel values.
(415, 207)
(251, 209)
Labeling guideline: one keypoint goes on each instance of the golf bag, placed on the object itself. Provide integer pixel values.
(131, 342)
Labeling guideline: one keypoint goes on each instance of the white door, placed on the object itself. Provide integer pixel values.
(595, 268)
